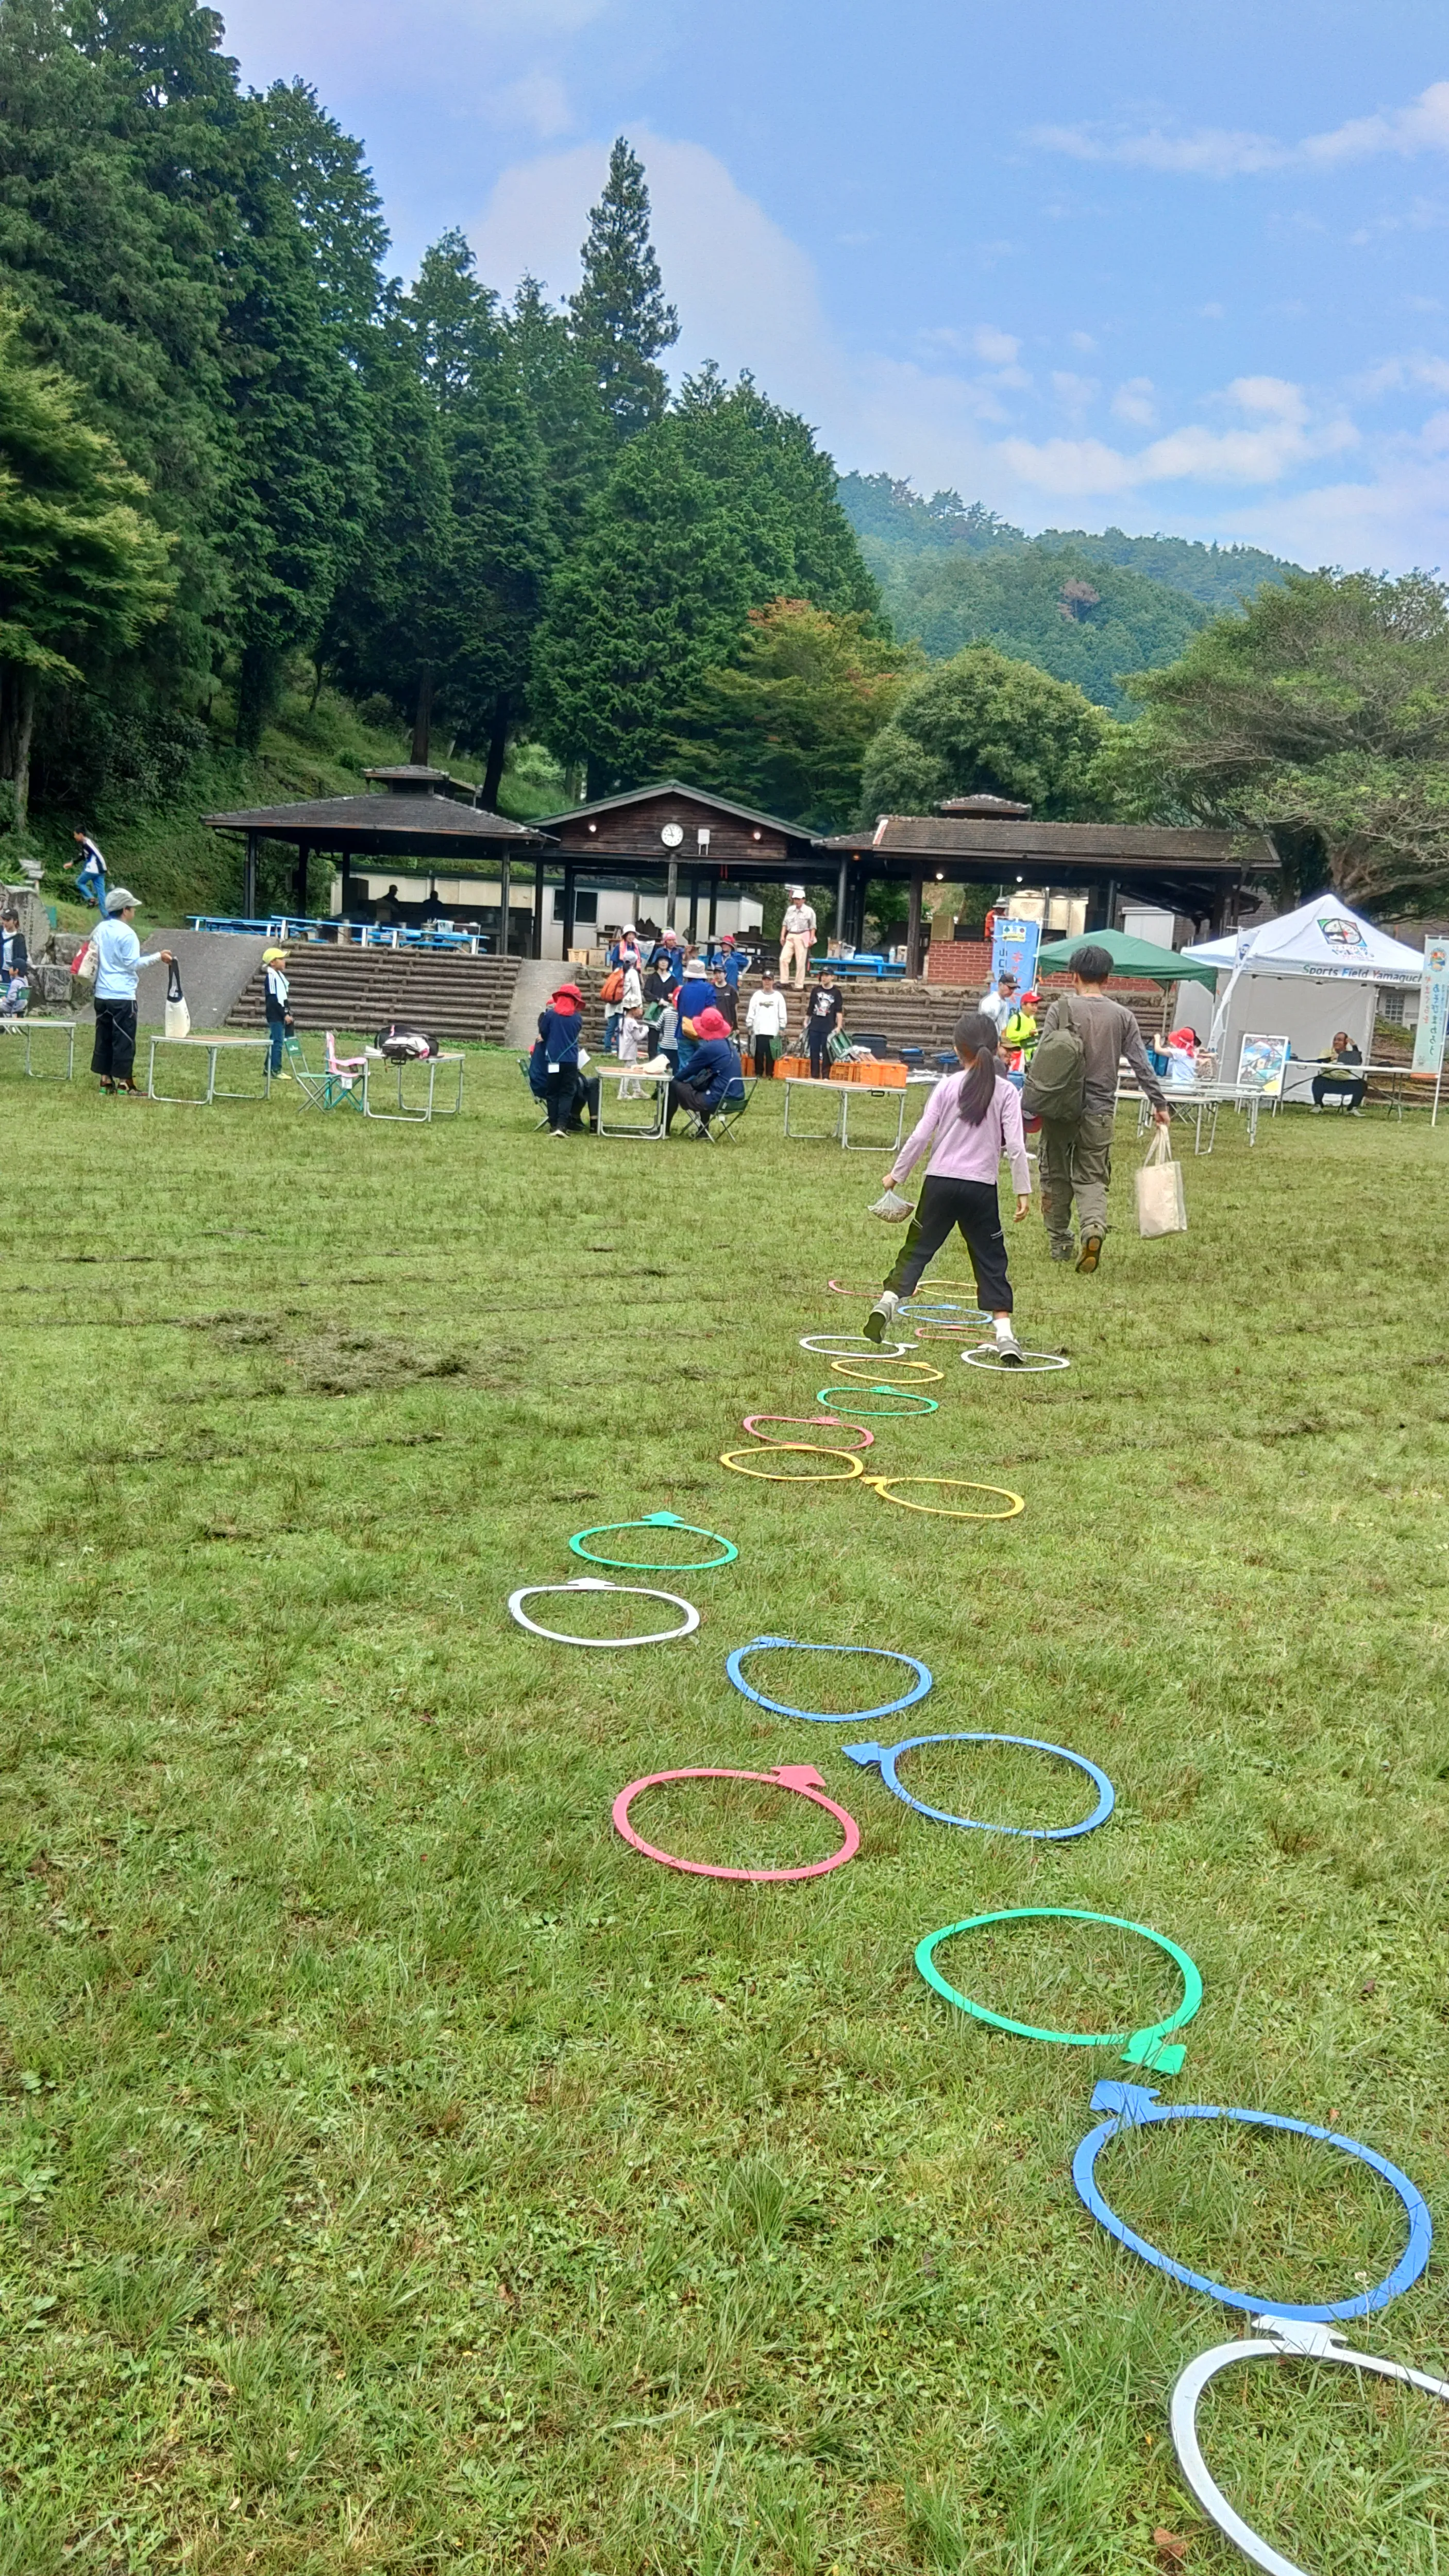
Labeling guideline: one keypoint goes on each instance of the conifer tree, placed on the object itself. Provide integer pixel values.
(621, 321)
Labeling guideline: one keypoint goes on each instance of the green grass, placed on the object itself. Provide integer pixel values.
(398, 2172)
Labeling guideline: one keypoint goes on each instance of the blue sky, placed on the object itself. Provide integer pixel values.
(1168, 266)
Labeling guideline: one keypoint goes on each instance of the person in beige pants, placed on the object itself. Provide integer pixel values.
(797, 938)
(1076, 1159)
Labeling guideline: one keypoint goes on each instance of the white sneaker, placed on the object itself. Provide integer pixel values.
(1010, 1349)
(883, 1312)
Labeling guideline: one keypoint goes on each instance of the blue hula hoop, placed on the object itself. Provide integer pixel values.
(888, 1755)
(826, 1716)
(1133, 2107)
(912, 1402)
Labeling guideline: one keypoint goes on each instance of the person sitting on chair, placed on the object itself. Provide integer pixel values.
(1336, 1086)
(713, 1073)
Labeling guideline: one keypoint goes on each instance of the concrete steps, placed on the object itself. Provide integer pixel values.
(362, 989)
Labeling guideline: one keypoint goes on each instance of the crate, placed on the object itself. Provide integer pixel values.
(794, 1067)
(875, 1076)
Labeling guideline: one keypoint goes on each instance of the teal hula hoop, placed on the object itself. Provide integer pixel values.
(913, 1403)
(672, 1565)
(1146, 2047)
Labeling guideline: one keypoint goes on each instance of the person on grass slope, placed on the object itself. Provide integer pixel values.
(970, 1121)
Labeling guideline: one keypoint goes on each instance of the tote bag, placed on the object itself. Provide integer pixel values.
(1161, 1206)
(178, 1016)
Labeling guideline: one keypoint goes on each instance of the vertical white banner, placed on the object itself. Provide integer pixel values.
(1433, 1011)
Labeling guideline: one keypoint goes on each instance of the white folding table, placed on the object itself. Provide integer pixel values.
(647, 1130)
(843, 1093)
(213, 1048)
(29, 1029)
(420, 1112)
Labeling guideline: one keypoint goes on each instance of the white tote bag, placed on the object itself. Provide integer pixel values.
(1161, 1205)
(178, 1016)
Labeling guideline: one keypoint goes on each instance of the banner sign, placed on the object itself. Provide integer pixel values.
(1014, 946)
(1433, 1011)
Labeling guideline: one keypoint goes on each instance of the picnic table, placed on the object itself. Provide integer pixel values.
(213, 1048)
(843, 1093)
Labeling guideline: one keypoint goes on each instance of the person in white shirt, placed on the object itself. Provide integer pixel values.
(767, 1018)
(118, 963)
(633, 1045)
(797, 937)
(998, 1006)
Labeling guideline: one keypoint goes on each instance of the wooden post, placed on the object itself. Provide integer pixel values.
(249, 876)
(299, 884)
(344, 896)
(568, 907)
(913, 925)
(694, 903)
(536, 945)
(713, 905)
(842, 888)
(671, 905)
(505, 889)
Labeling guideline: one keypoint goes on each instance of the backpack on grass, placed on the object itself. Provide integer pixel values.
(1056, 1078)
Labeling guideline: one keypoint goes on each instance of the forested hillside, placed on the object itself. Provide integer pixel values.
(1086, 608)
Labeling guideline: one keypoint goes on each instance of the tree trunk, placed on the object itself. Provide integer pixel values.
(497, 750)
(259, 687)
(423, 722)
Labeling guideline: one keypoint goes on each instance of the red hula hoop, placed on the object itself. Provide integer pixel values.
(797, 1776)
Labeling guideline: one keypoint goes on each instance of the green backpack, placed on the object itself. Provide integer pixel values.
(1056, 1077)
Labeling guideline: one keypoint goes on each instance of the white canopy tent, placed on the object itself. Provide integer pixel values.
(1307, 975)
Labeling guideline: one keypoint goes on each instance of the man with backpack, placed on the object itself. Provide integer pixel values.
(1071, 1086)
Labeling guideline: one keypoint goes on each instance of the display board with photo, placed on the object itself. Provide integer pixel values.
(1262, 1063)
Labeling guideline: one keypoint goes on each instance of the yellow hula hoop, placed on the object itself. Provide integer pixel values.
(854, 1466)
(882, 1372)
(943, 1510)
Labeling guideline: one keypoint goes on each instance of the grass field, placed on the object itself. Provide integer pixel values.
(400, 2173)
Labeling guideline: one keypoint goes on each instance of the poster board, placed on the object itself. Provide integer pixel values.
(1262, 1063)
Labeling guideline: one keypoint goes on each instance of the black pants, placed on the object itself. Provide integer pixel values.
(764, 1061)
(975, 1208)
(683, 1095)
(567, 1094)
(819, 1045)
(114, 1054)
(1337, 1085)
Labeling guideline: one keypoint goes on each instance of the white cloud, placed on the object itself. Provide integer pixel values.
(998, 348)
(1136, 402)
(1397, 375)
(1226, 152)
(538, 101)
(1082, 341)
(1277, 438)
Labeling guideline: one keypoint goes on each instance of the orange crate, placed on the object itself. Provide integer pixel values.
(797, 1067)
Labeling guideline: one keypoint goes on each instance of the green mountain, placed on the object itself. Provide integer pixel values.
(1086, 608)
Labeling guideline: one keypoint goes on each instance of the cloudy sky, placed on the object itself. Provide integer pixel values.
(1164, 266)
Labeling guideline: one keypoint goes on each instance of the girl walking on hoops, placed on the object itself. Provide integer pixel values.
(970, 1121)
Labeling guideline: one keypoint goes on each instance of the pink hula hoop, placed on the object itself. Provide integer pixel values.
(796, 1776)
(812, 1422)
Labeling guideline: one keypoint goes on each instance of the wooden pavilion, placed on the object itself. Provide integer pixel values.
(421, 815)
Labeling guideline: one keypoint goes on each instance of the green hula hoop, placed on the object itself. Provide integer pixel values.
(1144, 2048)
(912, 1404)
(665, 1565)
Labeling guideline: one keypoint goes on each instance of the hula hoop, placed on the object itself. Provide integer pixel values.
(943, 1511)
(1134, 2106)
(1144, 2047)
(1030, 1364)
(591, 1583)
(899, 1368)
(929, 1331)
(900, 1412)
(1277, 2340)
(842, 1291)
(794, 1776)
(827, 1716)
(807, 1422)
(811, 1449)
(655, 1520)
(888, 1755)
(820, 1344)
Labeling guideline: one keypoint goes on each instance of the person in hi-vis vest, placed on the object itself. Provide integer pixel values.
(797, 938)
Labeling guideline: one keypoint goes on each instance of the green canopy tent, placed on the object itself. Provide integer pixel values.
(1140, 957)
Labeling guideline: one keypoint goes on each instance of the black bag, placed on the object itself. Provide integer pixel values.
(1056, 1078)
(402, 1045)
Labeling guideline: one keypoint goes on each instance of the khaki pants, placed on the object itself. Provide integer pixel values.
(795, 951)
(1075, 1163)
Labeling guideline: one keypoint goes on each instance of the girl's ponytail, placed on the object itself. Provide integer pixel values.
(975, 1035)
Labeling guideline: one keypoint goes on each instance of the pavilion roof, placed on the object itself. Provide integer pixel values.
(677, 787)
(1099, 845)
(392, 825)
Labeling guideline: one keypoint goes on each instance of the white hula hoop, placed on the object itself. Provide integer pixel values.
(987, 1355)
(1282, 2339)
(592, 1583)
(829, 1344)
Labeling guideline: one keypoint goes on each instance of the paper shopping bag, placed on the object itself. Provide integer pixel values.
(1161, 1205)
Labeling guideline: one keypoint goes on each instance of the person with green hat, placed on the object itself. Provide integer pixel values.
(279, 1020)
(118, 963)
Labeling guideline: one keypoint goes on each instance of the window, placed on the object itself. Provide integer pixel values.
(586, 906)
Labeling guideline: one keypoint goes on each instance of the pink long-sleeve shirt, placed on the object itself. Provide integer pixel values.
(962, 1153)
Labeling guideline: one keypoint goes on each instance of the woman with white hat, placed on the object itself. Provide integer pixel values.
(279, 1022)
(118, 963)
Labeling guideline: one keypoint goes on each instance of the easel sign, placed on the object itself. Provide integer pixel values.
(1262, 1064)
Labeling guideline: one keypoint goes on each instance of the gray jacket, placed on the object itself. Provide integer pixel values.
(1108, 1031)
